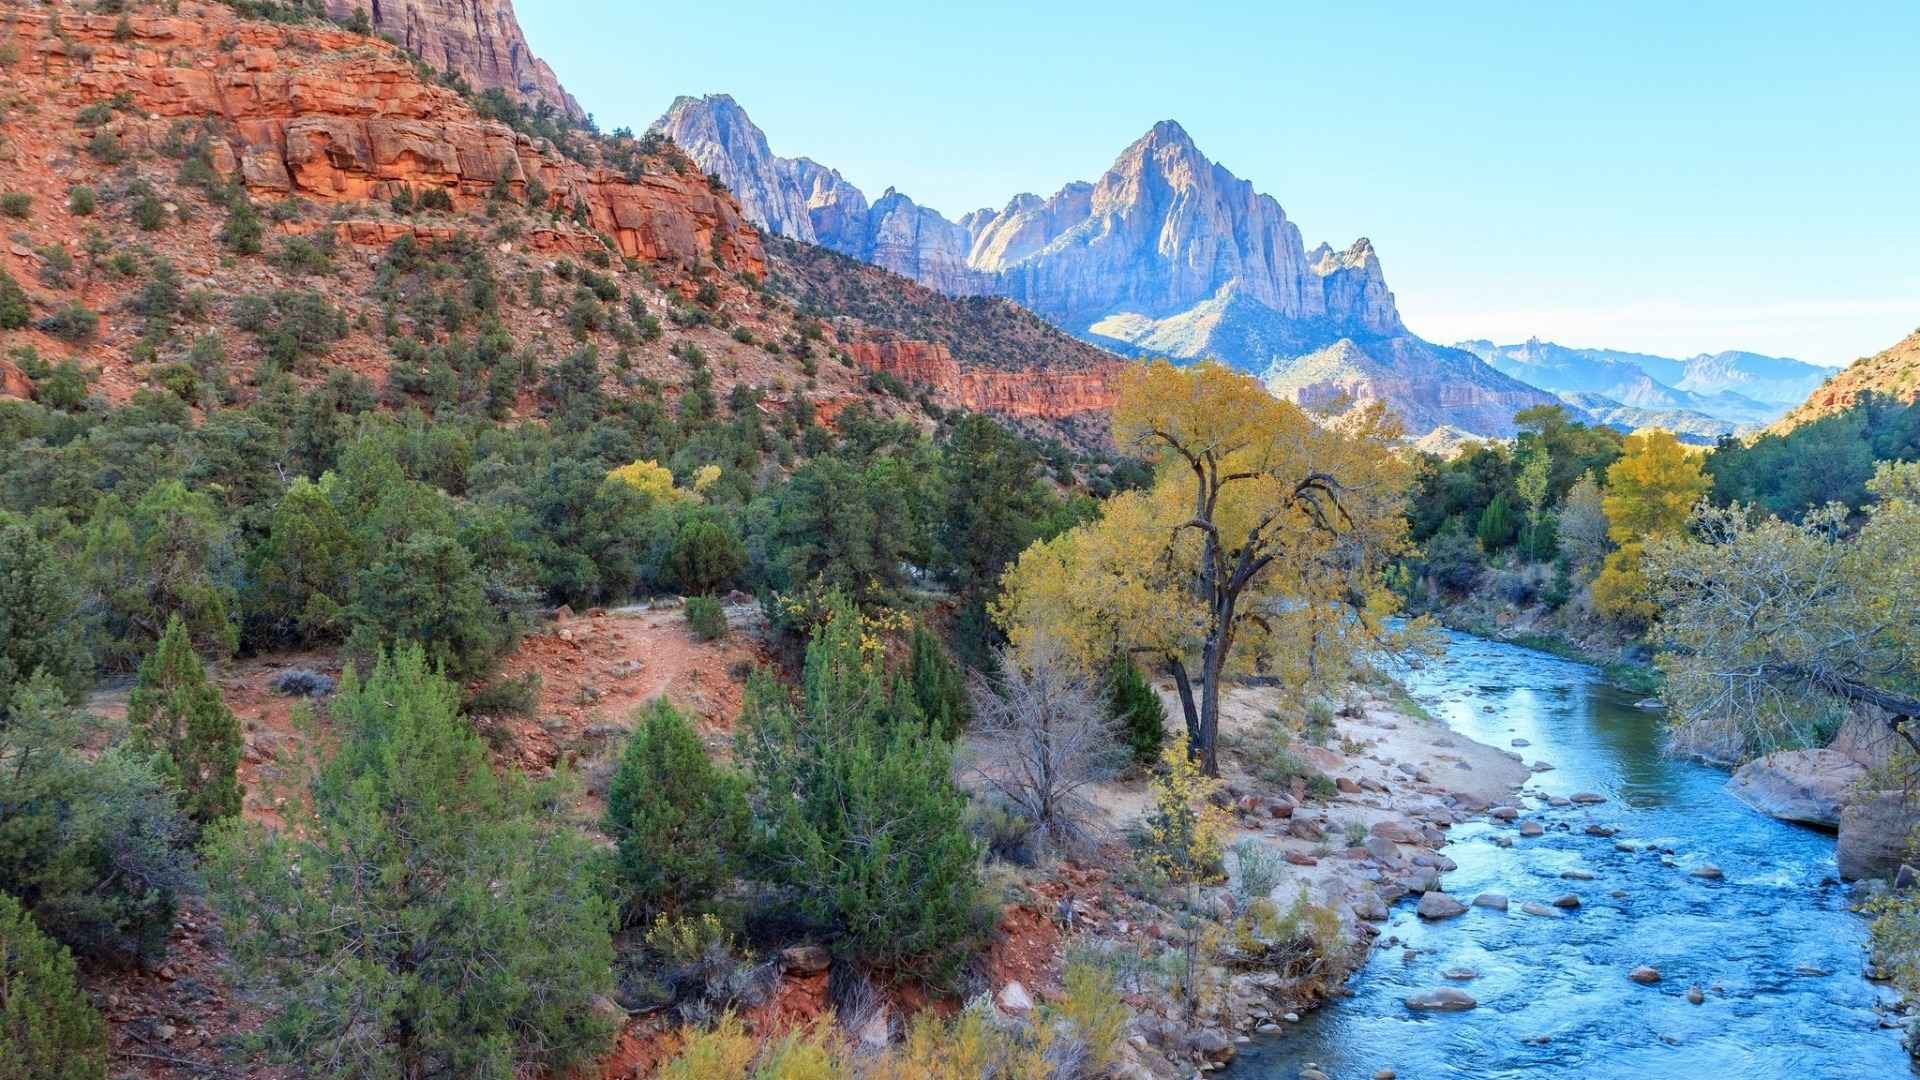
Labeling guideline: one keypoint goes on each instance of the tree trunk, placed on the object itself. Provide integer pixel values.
(1178, 671)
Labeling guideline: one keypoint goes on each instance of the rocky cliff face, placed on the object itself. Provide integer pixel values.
(350, 121)
(1894, 372)
(1166, 253)
(479, 40)
(325, 127)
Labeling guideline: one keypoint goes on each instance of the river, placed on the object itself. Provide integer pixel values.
(1756, 941)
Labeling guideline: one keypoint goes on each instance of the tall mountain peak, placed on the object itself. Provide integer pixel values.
(1166, 251)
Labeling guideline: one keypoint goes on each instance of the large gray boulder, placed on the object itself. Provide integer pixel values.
(1807, 786)
(1873, 834)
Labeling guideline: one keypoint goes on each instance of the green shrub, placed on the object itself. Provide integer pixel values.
(40, 629)
(149, 213)
(16, 204)
(48, 1028)
(243, 230)
(678, 818)
(178, 717)
(706, 557)
(491, 945)
(303, 255)
(706, 618)
(1139, 715)
(95, 849)
(74, 324)
(864, 825)
(16, 311)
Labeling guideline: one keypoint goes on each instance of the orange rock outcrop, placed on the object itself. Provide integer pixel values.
(1039, 393)
(331, 115)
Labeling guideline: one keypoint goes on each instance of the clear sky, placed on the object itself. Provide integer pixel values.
(1667, 177)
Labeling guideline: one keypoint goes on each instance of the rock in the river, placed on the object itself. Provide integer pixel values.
(1460, 974)
(1807, 786)
(1504, 813)
(1531, 827)
(1577, 874)
(1442, 999)
(1707, 872)
(1532, 907)
(1567, 901)
(1494, 900)
(1586, 798)
(1438, 905)
(1645, 974)
(1694, 995)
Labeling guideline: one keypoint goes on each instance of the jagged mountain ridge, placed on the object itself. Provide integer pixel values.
(1167, 253)
(1743, 388)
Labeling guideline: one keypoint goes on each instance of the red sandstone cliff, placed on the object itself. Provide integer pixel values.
(332, 115)
(1040, 393)
(479, 40)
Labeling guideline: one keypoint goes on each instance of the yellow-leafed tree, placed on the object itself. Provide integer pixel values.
(1259, 547)
(1651, 490)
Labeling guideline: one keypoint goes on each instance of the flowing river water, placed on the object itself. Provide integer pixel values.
(1773, 944)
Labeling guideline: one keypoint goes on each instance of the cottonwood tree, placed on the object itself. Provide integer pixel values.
(1768, 622)
(1260, 546)
(1045, 736)
(1650, 492)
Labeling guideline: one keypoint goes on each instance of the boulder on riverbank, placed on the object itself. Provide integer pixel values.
(1873, 834)
(1807, 786)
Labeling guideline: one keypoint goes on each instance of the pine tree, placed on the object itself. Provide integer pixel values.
(1139, 715)
(1497, 526)
(938, 689)
(48, 1029)
(39, 616)
(421, 916)
(677, 817)
(860, 816)
(177, 715)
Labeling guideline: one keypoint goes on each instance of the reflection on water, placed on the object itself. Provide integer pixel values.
(1554, 997)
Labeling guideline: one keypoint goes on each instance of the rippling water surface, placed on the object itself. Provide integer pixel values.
(1754, 940)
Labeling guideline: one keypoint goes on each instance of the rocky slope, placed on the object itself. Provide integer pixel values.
(1894, 372)
(478, 40)
(327, 129)
(1167, 253)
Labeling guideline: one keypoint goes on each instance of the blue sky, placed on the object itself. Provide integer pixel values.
(1673, 178)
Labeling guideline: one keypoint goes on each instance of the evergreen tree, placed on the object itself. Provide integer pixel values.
(1139, 716)
(1498, 525)
(177, 715)
(302, 571)
(705, 558)
(48, 1029)
(40, 628)
(94, 848)
(938, 688)
(423, 917)
(677, 817)
(859, 815)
